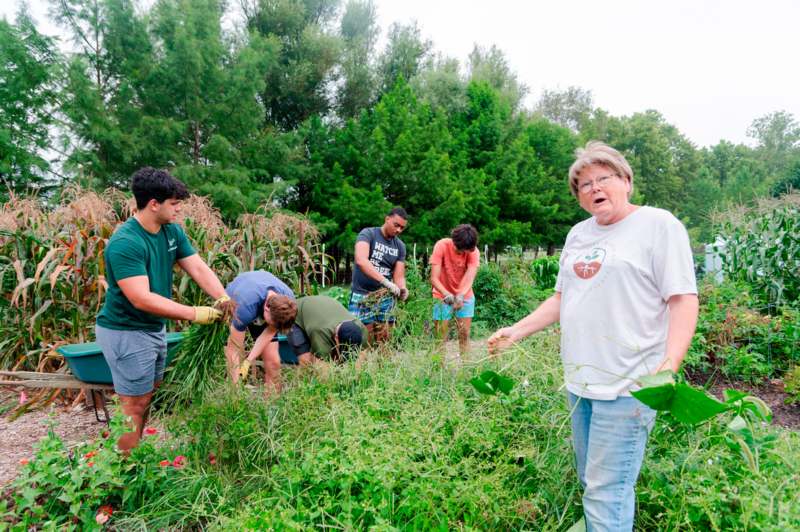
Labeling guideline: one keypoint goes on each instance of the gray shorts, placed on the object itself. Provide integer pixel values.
(136, 358)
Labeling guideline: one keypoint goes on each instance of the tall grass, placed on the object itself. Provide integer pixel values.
(405, 443)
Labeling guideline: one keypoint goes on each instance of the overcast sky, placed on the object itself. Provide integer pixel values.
(709, 66)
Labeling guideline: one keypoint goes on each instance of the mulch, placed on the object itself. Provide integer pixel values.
(18, 437)
(770, 391)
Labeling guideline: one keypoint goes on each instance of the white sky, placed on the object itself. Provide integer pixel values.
(709, 66)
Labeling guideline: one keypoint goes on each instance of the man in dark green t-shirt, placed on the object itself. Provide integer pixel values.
(131, 325)
(324, 331)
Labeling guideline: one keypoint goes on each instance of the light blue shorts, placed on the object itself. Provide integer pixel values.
(442, 312)
(136, 358)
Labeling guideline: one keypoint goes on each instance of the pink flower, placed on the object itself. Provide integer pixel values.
(179, 462)
(23, 397)
(151, 431)
(165, 463)
(103, 514)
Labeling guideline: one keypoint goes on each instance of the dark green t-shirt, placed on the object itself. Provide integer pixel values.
(318, 316)
(133, 251)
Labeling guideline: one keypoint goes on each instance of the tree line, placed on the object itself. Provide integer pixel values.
(293, 104)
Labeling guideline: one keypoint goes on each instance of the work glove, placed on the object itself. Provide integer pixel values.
(206, 315)
(448, 299)
(391, 287)
(403, 294)
(225, 304)
(459, 302)
(244, 369)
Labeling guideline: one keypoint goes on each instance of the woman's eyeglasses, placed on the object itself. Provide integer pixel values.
(602, 182)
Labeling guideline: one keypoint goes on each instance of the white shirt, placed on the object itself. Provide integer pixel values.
(615, 281)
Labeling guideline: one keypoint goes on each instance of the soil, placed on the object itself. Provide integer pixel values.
(18, 437)
(771, 392)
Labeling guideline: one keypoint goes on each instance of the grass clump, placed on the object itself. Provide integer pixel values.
(198, 366)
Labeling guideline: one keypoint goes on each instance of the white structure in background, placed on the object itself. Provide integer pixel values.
(714, 258)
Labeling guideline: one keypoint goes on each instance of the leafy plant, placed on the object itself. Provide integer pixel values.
(692, 406)
(791, 385)
(762, 247)
(82, 486)
(737, 337)
(544, 271)
(490, 382)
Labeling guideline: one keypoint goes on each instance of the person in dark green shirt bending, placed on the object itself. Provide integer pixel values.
(324, 331)
(131, 327)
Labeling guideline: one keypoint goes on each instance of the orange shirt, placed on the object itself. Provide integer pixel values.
(454, 265)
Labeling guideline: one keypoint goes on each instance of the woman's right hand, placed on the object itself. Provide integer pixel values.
(501, 339)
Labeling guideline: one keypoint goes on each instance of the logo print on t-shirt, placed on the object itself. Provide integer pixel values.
(588, 265)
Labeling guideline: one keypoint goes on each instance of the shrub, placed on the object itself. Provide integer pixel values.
(506, 292)
(734, 338)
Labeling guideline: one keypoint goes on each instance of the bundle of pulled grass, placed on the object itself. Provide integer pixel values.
(197, 367)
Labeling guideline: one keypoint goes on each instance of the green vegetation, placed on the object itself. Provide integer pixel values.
(296, 111)
(762, 248)
(297, 107)
(408, 443)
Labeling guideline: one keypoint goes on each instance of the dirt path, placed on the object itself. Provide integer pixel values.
(18, 437)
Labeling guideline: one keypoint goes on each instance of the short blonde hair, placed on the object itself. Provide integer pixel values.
(601, 154)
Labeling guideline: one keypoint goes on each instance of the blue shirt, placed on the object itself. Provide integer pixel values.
(249, 291)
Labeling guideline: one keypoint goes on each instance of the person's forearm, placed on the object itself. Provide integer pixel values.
(399, 274)
(161, 306)
(438, 285)
(261, 343)
(466, 283)
(683, 311)
(208, 281)
(545, 314)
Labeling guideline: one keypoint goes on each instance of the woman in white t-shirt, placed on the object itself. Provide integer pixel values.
(626, 298)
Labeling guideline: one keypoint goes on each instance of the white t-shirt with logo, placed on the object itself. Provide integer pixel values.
(615, 281)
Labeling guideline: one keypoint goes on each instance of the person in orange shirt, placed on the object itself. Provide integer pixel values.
(454, 264)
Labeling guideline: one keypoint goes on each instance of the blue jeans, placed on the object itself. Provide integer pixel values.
(609, 438)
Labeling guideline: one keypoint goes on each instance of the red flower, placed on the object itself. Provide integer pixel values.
(151, 431)
(105, 434)
(90, 464)
(23, 461)
(179, 462)
(89, 454)
(165, 463)
(212, 459)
